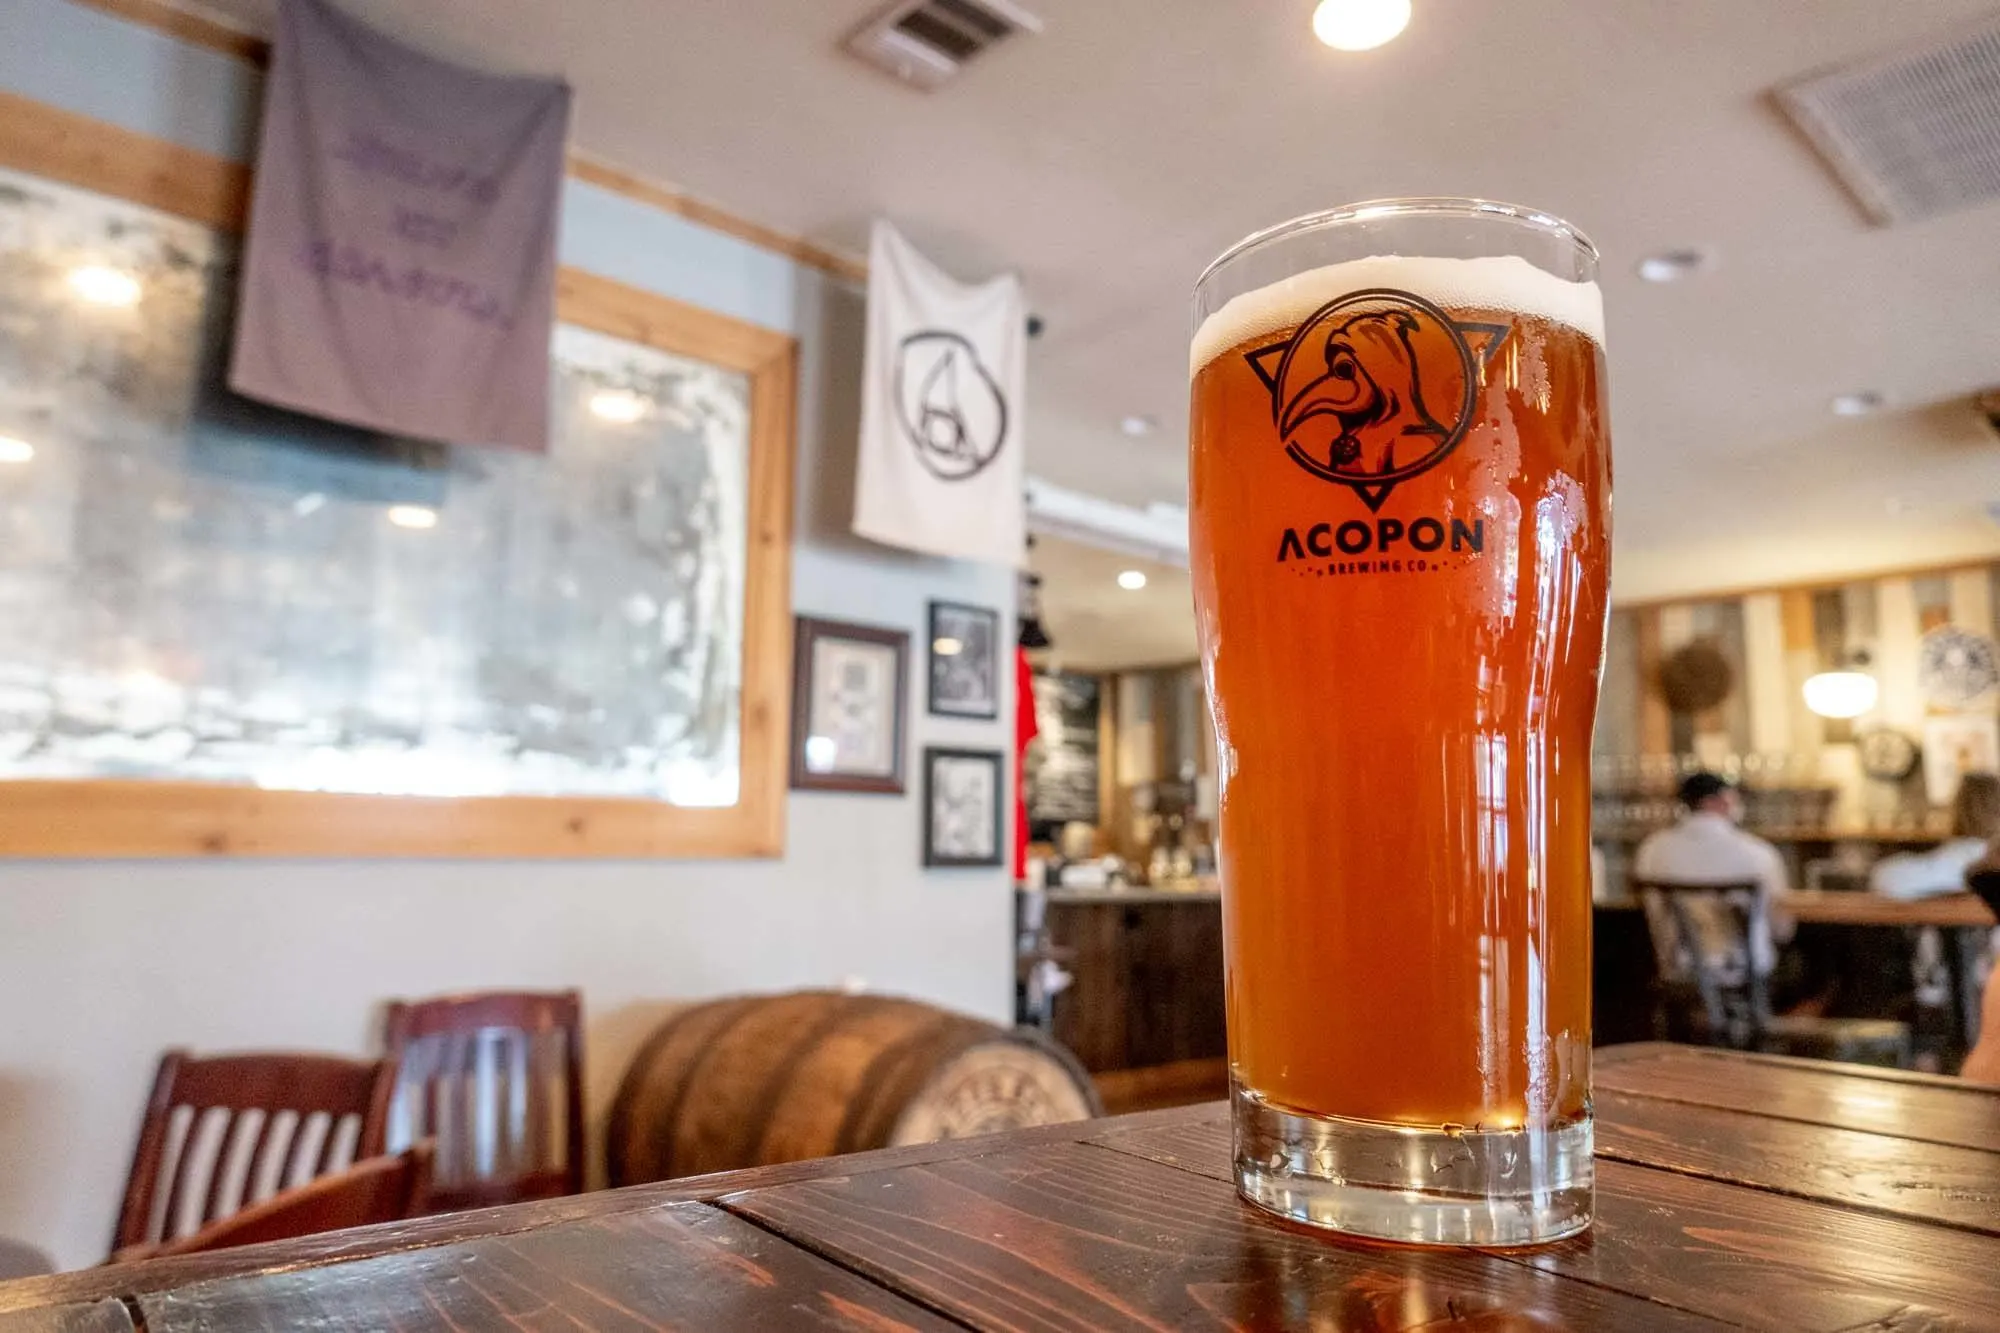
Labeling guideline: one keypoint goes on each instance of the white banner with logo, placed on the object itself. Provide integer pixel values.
(941, 400)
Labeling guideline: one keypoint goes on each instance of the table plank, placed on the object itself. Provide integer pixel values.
(1077, 1237)
(395, 1237)
(1827, 907)
(105, 1316)
(1964, 1114)
(679, 1266)
(1929, 1181)
(1733, 1252)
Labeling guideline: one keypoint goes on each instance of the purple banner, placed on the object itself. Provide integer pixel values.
(400, 270)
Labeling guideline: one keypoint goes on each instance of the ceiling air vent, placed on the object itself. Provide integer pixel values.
(1912, 134)
(927, 42)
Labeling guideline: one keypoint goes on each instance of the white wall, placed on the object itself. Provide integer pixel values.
(104, 964)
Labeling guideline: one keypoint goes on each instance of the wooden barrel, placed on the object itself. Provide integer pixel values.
(780, 1078)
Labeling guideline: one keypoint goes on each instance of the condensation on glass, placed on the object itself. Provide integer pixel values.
(197, 587)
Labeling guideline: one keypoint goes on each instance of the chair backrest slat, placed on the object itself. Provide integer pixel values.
(489, 1076)
(1733, 993)
(378, 1189)
(212, 1135)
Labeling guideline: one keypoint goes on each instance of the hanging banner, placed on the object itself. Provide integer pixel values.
(400, 266)
(941, 409)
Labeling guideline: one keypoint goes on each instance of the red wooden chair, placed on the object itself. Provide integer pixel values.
(223, 1132)
(380, 1189)
(496, 1079)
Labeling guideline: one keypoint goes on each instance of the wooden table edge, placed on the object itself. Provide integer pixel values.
(120, 1281)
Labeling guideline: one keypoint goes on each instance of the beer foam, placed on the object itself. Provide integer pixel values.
(1505, 283)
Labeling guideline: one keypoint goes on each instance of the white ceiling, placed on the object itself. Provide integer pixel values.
(1111, 157)
(1095, 625)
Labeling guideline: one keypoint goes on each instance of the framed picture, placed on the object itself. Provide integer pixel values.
(397, 649)
(848, 687)
(964, 661)
(962, 807)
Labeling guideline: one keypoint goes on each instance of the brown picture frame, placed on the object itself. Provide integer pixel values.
(808, 631)
(118, 818)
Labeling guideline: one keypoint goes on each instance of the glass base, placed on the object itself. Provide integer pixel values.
(1420, 1186)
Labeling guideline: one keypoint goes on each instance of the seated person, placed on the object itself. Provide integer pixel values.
(1707, 847)
(1983, 1064)
(1975, 818)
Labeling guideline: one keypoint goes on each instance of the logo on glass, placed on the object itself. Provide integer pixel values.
(1377, 387)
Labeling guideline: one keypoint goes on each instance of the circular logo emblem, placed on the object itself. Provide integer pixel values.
(949, 404)
(1956, 667)
(1375, 388)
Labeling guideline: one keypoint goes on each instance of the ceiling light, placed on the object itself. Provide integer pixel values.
(15, 451)
(1673, 265)
(947, 647)
(1841, 693)
(413, 516)
(1138, 426)
(1132, 580)
(1861, 403)
(1359, 25)
(104, 286)
(620, 405)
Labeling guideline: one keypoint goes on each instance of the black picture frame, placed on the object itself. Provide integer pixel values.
(808, 633)
(967, 683)
(939, 761)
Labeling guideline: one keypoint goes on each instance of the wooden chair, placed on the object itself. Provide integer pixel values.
(380, 1189)
(1730, 1000)
(497, 1080)
(225, 1131)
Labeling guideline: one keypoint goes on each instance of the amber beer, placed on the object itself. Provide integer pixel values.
(1400, 483)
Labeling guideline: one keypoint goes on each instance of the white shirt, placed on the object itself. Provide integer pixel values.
(1708, 848)
(1922, 874)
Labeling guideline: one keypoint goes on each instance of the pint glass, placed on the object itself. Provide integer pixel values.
(1400, 486)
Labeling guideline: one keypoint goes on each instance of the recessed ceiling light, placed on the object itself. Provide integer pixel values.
(1136, 426)
(413, 516)
(620, 405)
(15, 451)
(1132, 580)
(1359, 25)
(1861, 403)
(1674, 265)
(104, 286)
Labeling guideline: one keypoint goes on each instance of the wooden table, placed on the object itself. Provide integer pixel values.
(1874, 909)
(1733, 1191)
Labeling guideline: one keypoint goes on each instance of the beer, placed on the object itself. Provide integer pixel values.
(1400, 492)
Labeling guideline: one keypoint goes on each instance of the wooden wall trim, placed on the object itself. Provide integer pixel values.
(1814, 584)
(47, 141)
(184, 25)
(120, 818)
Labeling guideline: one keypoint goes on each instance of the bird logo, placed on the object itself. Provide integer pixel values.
(1374, 388)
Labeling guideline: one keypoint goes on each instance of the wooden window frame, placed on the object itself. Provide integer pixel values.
(118, 818)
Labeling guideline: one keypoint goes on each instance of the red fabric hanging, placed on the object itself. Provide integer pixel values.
(1025, 729)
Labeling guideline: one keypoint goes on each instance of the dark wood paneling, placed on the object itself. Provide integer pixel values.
(1148, 988)
(1963, 1115)
(1074, 1237)
(685, 1266)
(1960, 1186)
(106, 1316)
(1621, 982)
